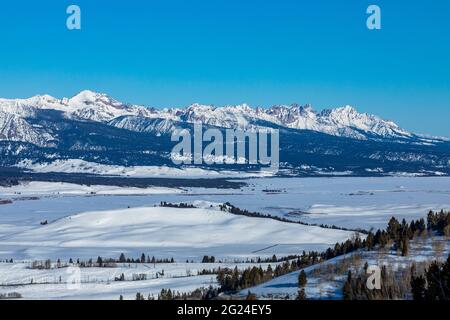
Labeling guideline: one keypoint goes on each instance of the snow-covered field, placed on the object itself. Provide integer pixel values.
(99, 283)
(109, 290)
(36, 188)
(165, 232)
(88, 221)
(343, 201)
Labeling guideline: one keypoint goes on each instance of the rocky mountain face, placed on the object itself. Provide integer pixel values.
(95, 127)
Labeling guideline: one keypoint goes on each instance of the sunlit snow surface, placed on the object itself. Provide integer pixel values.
(87, 221)
(344, 201)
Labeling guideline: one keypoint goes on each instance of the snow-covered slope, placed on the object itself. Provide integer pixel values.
(144, 124)
(88, 105)
(170, 230)
(15, 128)
(344, 121)
(85, 167)
(100, 107)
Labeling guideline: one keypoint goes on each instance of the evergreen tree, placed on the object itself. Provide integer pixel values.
(302, 279)
(370, 241)
(347, 291)
(383, 239)
(418, 287)
(301, 294)
(431, 220)
(392, 229)
(405, 248)
(434, 285)
(139, 296)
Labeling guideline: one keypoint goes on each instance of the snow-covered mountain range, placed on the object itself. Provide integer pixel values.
(88, 105)
(94, 127)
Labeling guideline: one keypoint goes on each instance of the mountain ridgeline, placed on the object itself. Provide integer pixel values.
(97, 128)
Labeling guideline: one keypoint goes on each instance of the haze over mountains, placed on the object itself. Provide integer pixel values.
(97, 128)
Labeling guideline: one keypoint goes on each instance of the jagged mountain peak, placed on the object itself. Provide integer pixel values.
(89, 94)
(91, 98)
(94, 106)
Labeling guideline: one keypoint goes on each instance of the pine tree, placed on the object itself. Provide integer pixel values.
(139, 296)
(418, 287)
(405, 248)
(383, 239)
(347, 291)
(302, 279)
(431, 220)
(370, 241)
(301, 294)
(393, 227)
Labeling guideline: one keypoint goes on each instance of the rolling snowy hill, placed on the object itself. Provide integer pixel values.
(167, 230)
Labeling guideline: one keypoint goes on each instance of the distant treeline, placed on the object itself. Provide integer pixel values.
(167, 294)
(10, 295)
(99, 263)
(228, 207)
(181, 205)
(144, 259)
(6, 181)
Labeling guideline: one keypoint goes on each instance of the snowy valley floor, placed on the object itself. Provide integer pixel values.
(89, 221)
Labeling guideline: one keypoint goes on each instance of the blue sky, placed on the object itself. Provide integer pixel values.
(176, 52)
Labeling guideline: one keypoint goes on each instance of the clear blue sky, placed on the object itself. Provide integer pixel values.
(176, 52)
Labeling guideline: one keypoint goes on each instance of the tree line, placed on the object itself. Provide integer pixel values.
(228, 207)
(397, 233)
(181, 205)
(168, 294)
